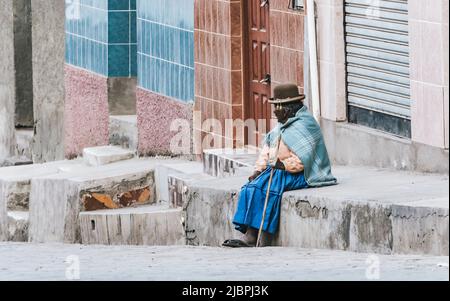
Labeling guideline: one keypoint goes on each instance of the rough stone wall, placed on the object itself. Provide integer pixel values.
(48, 79)
(7, 83)
(86, 111)
(155, 116)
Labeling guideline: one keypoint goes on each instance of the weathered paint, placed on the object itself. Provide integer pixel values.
(97, 201)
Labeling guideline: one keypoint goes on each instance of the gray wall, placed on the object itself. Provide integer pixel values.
(23, 65)
(7, 85)
(48, 78)
(122, 95)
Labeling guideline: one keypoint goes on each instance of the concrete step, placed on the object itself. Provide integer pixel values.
(18, 226)
(148, 225)
(15, 183)
(179, 187)
(371, 210)
(224, 163)
(15, 187)
(165, 171)
(102, 155)
(173, 178)
(123, 131)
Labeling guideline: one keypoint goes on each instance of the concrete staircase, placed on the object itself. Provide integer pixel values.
(89, 199)
(110, 197)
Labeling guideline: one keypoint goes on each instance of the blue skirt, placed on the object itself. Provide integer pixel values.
(253, 195)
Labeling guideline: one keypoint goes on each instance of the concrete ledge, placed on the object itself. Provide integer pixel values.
(15, 187)
(350, 144)
(165, 172)
(179, 187)
(224, 163)
(15, 181)
(150, 225)
(371, 210)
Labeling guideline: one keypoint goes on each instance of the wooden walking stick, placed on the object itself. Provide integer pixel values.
(258, 241)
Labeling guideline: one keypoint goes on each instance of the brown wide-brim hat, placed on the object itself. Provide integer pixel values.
(286, 94)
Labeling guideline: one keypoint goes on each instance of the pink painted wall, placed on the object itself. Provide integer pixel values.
(155, 114)
(86, 111)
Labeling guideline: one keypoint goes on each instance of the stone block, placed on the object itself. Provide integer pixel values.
(150, 226)
(102, 155)
(57, 200)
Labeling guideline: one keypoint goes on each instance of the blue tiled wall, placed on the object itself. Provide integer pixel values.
(101, 36)
(165, 55)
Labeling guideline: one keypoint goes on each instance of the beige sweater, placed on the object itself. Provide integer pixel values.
(291, 162)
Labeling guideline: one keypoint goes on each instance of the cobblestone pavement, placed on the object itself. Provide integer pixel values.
(60, 262)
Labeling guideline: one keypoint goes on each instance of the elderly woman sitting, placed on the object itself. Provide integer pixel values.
(294, 157)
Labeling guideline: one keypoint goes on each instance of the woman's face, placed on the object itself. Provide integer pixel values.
(282, 113)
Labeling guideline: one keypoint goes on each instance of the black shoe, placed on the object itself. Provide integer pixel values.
(236, 243)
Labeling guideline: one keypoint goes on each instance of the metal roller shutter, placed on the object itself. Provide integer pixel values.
(377, 47)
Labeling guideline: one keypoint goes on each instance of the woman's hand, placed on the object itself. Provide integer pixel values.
(279, 165)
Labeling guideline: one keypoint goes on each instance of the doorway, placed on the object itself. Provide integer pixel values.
(257, 85)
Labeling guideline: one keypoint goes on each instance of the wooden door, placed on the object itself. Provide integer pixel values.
(257, 64)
